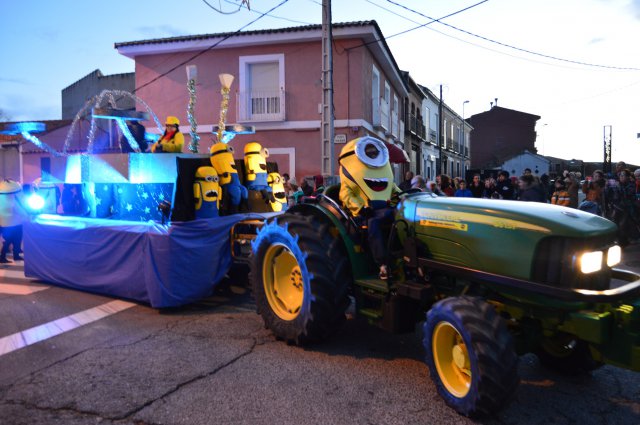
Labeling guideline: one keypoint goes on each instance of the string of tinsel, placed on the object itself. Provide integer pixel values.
(224, 91)
(193, 146)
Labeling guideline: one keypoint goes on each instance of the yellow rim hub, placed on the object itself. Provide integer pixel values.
(451, 359)
(283, 283)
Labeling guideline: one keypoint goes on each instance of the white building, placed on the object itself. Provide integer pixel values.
(516, 165)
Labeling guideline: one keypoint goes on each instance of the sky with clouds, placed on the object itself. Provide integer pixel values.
(575, 63)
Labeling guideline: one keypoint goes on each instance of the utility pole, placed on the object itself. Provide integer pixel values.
(440, 136)
(327, 130)
(606, 164)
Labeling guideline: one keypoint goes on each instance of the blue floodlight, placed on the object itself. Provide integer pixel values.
(24, 127)
(35, 202)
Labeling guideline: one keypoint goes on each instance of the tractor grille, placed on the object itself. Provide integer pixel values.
(554, 263)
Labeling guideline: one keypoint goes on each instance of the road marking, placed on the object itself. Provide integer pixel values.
(5, 273)
(17, 289)
(65, 324)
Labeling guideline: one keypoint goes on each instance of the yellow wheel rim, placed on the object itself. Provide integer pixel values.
(283, 284)
(451, 358)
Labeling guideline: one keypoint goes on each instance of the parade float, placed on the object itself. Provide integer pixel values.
(496, 279)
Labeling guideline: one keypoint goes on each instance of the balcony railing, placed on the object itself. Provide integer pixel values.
(416, 127)
(261, 106)
(433, 136)
(449, 143)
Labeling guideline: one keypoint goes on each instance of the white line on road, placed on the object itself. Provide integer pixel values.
(18, 289)
(48, 330)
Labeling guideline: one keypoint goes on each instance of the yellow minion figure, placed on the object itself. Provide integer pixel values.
(206, 192)
(12, 215)
(277, 187)
(366, 187)
(366, 178)
(233, 192)
(255, 165)
(172, 140)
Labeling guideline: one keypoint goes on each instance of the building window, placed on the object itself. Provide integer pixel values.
(394, 116)
(261, 96)
(375, 96)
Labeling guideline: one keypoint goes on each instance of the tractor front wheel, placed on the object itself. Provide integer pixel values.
(300, 278)
(470, 355)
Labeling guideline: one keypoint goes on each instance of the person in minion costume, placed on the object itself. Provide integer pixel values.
(367, 190)
(12, 215)
(206, 190)
(50, 194)
(255, 166)
(233, 192)
(172, 140)
(277, 188)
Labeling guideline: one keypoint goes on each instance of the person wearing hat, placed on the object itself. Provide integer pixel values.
(172, 140)
(12, 215)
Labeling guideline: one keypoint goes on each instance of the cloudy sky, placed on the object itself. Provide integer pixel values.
(575, 63)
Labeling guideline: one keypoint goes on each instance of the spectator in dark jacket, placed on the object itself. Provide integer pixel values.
(477, 186)
(406, 184)
(530, 190)
(504, 188)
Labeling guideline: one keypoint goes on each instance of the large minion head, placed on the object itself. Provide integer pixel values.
(9, 187)
(255, 160)
(222, 160)
(364, 162)
(277, 187)
(206, 187)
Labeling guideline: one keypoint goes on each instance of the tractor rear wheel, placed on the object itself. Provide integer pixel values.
(567, 355)
(300, 278)
(471, 356)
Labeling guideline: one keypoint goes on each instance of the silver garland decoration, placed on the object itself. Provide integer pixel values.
(39, 143)
(224, 106)
(193, 146)
(95, 101)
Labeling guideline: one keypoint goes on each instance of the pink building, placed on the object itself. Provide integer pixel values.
(277, 87)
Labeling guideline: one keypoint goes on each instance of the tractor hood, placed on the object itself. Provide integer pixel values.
(496, 235)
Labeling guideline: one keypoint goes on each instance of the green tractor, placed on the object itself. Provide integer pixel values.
(497, 279)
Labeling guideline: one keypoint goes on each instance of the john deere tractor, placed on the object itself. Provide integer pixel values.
(497, 279)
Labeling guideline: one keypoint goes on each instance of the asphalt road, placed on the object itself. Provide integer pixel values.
(214, 363)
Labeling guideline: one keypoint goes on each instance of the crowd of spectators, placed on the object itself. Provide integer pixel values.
(615, 196)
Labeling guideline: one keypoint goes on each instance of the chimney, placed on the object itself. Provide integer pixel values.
(496, 101)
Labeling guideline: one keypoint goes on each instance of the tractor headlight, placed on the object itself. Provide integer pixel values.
(614, 255)
(591, 262)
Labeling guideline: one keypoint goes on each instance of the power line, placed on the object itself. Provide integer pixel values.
(419, 26)
(214, 45)
(219, 10)
(500, 52)
(511, 46)
(274, 16)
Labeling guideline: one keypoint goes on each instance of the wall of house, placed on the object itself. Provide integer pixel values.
(516, 165)
(303, 93)
(76, 95)
(499, 135)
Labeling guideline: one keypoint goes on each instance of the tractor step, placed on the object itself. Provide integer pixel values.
(415, 290)
(371, 313)
(377, 285)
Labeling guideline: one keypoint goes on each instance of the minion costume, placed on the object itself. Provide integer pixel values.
(255, 166)
(277, 188)
(172, 140)
(12, 215)
(233, 192)
(50, 193)
(366, 190)
(205, 192)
